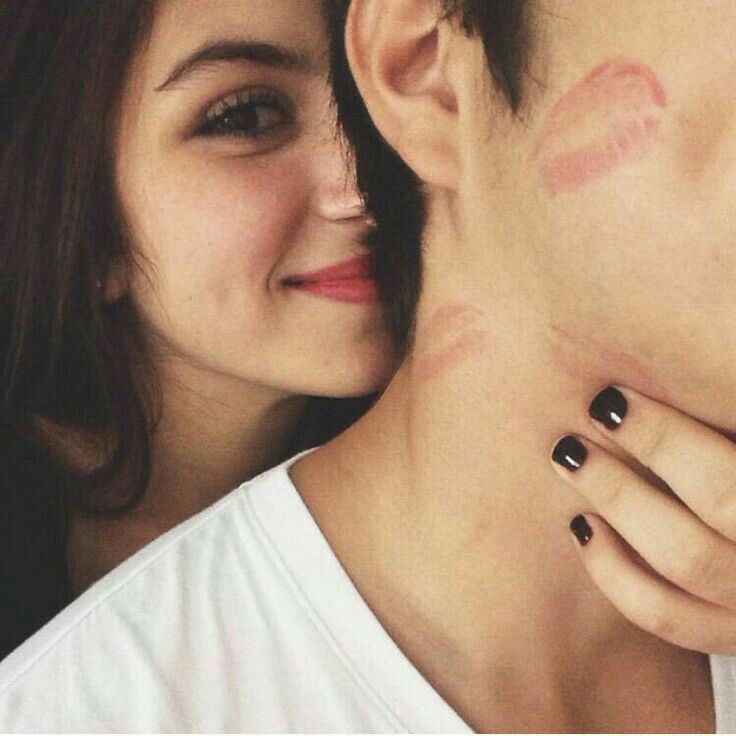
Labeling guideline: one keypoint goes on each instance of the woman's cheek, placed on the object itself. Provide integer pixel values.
(255, 210)
(229, 228)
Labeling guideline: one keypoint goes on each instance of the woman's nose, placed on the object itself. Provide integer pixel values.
(336, 192)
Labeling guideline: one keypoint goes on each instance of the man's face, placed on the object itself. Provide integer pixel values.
(610, 200)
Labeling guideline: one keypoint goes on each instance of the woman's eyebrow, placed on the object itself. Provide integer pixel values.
(265, 54)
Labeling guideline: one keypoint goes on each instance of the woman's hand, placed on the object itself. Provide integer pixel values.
(679, 582)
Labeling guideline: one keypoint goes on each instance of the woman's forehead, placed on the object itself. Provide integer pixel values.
(183, 28)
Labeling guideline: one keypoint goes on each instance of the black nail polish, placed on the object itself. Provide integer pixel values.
(609, 408)
(581, 529)
(570, 453)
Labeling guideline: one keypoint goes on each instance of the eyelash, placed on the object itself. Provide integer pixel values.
(215, 122)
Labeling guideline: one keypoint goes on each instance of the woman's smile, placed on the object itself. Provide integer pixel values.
(349, 282)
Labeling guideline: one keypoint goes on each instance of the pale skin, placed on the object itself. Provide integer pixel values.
(442, 503)
(232, 177)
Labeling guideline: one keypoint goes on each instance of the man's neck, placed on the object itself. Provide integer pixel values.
(452, 466)
(443, 507)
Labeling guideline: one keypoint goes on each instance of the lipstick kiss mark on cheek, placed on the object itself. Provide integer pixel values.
(609, 119)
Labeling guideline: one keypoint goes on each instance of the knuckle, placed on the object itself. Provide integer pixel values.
(719, 510)
(696, 567)
(702, 639)
(655, 439)
(723, 644)
(669, 623)
(613, 493)
(660, 622)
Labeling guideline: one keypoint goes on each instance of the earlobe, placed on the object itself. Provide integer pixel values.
(398, 51)
(115, 284)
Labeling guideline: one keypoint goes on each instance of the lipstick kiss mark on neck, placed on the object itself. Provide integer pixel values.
(610, 118)
(453, 335)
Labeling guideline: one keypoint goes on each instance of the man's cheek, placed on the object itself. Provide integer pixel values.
(610, 119)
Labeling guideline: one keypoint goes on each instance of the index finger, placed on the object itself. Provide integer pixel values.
(695, 461)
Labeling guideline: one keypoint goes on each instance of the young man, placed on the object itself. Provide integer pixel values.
(578, 199)
(421, 578)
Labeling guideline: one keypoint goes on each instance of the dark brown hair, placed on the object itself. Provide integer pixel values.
(67, 356)
(388, 185)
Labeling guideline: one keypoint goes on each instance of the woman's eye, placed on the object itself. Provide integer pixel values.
(248, 115)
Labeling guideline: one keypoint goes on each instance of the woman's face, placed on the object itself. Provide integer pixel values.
(237, 194)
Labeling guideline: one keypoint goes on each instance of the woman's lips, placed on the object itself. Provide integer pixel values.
(610, 118)
(350, 282)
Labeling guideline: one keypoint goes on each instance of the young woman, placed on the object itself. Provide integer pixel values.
(415, 574)
(183, 263)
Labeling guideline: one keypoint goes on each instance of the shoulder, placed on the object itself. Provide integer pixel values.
(184, 568)
(191, 602)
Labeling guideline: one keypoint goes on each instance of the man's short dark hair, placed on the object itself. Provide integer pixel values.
(504, 28)
(392, 191)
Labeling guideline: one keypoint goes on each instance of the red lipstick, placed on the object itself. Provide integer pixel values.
(350, 282)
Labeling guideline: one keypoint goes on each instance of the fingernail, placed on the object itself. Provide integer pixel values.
(570, 453)
(609, 408)
(581, 529)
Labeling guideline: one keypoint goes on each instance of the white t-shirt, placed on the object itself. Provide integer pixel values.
(239, 620)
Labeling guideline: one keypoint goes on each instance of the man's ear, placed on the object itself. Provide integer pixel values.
(398, 54)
